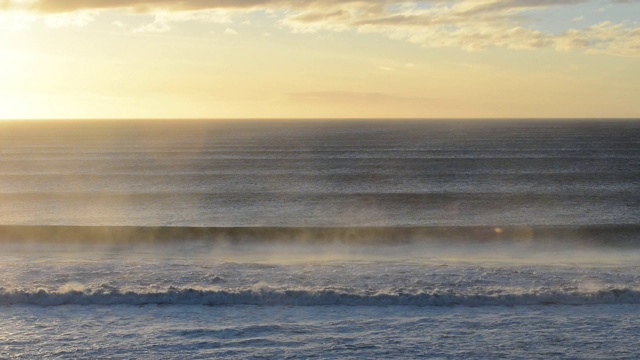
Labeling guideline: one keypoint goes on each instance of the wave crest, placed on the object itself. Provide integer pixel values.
(311, 297)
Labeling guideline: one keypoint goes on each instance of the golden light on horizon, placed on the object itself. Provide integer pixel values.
(280, 59)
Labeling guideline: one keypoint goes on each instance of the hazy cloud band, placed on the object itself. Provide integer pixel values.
(467, 24)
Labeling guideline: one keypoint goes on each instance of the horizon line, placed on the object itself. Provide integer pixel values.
(330, 119)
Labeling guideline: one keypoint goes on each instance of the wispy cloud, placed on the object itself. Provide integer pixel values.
(78, 19)
(355, 98)
(471, 25)
(362, 104)
(230, 31)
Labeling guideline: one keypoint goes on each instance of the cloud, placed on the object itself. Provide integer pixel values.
(361, 104)
(319, 8)
(230, 31)
(75, 19)
(472, 25)
(355, 98)
(602, 38)
(480, 7)
(159, 25)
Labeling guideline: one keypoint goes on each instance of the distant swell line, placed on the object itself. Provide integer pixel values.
(598, 235)
(313, 298)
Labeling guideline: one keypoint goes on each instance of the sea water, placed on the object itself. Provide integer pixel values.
(320, 239)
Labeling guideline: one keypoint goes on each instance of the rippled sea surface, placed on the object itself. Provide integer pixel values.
(352, 239)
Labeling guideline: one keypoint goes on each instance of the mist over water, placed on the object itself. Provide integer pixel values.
(453, 173)
(342, 226)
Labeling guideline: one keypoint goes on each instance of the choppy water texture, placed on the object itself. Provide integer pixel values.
(360, 239)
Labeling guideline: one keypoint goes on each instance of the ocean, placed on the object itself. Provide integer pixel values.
(336, 239)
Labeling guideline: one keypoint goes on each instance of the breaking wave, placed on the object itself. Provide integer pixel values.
(306, 297)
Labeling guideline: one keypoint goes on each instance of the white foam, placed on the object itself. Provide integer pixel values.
(313, 297)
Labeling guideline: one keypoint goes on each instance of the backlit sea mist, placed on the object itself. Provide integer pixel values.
(320, 239)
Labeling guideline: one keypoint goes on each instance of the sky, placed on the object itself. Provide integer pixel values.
(81, 59)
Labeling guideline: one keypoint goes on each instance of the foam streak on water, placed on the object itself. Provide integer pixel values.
(203, 300)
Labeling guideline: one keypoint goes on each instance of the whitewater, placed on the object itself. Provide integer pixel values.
(320, 239)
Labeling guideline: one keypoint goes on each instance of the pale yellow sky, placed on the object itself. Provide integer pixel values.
(319, 59)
